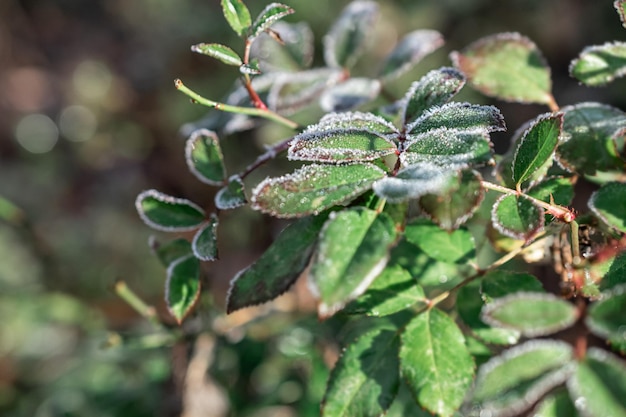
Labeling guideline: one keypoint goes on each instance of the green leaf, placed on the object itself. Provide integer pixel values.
(451, 247)
(499, 284)
(517, 217)
(557, 189)
(520, 376)
(459, 117)
(220, 52)
(365, 379)
(556, 405)
(589, 142)
(435, 362)
(353, 250)
(392, 291)
(293, 51)
(412, 182)
(204, 157)
(606, 317)
(354, 120)
(507, 66)
(182, 288)
(278, 268)
(204, 242)
(616, 274)
(163, 212)
(532, 314)
(620, 6)
(237, 15)
(536, 147)
(599, 385)
(433, 89)
(171, 251)
(293, 91)
(313, 189)
(272, 13)
(346, 39)
(409, 51)
(340, 146)
(600, 64)
(609, 204)
(231, 196)
(251, 69)
(349, 94)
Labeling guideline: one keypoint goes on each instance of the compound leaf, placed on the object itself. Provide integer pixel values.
(609, 204)
(182, 288)
(409, 51)
(204, 243)
(204, 157)
(220, 52)
(600, 64)
(237, 15)
(163, 212)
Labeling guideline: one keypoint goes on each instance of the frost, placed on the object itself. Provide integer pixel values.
(409, 51)
(413, 182)
(354, 120)
(350, 94)
(459, 116)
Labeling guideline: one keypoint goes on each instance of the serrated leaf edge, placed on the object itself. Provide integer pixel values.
(590, 50)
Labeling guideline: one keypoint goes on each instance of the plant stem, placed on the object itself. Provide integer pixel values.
(133, 300)
(552, 104)
(267, 156)
(250, 111)
(576, 260)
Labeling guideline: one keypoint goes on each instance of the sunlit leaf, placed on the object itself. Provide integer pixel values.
(182, 287)
(409, 51)
(459, 117)
(278, 268)
(237, 15)
(353, 250)
(606, 317)
(609, 204)
(272, 13)
(232, 195)
(412, 182)
(556, 405)
(220, 52)
(435, 362)
(507, 66)
(313, 188)
(204, 242)
(517, 217)
(354, 120)
(163, 212)
(452, 247)
(204, 157)
(349, 94)
(600, 64)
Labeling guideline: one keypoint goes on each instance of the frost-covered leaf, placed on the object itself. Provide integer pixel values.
(182, 287)
(456, 202)
(340, 146)
(163, 212)
(251, 68)
(237, 15)
(512, 382)
(412, 182)
(272, 13)
(346, 38)
(560, 190)
(354, 120)
(536, 148)
(589, 144)
(556, 405)
(599, 385)
(409, 51)
(365, 379)
(452, 247)
(171, 251)
(507, 66)
(435, 362)
(313, 189)
(609, 204)
(606, 317)
(278, 268)
(459, 117)
(204, 242)
(353, 250)
(232, 195)
(532, 314)
(204, 157)
(293, 52)
(220, 52)
(349, 94)
(392, 291)
(600, 64)
(433, 89)
(517, 217)
(293, 91)
(620, 6)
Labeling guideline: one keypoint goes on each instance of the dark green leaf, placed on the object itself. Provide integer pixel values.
(412, 182)
(435, 362)
(340, 146)
(560, 190)
(536, 147)
(499, 284)
(433, 89)
(204, 242)
(589, 144)
(620, 6)
(313, 189)
(353, 250)
(607, 319)
(392, 291)
(219, 52)
(354, 120)
(459, 117)
(609, 204)
(171, 251)
(616, 274)
(599, 385)
(532, 314)
(278, 268)
(517, 217)
(457, 202)
(507, 66)
(269, 15)
(349, 94)
(346, 39)
(182, 288)
(365, 379)
(600, 64)
(556, 405)
(520, 376)
(204, 157)
(231, 196)
(163, 212)
(452, 247)
(237, 15)
(409, 51)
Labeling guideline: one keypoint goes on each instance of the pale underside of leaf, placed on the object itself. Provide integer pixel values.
(409, 51)
(413, 182)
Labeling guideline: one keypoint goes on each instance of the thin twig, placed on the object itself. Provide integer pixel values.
(146, 311)
(270, 154)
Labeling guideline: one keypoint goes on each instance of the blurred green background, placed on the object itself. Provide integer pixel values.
(89, 118)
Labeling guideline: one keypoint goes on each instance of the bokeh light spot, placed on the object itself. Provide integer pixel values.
(92, 80)
(78, 123)
(37, 133)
